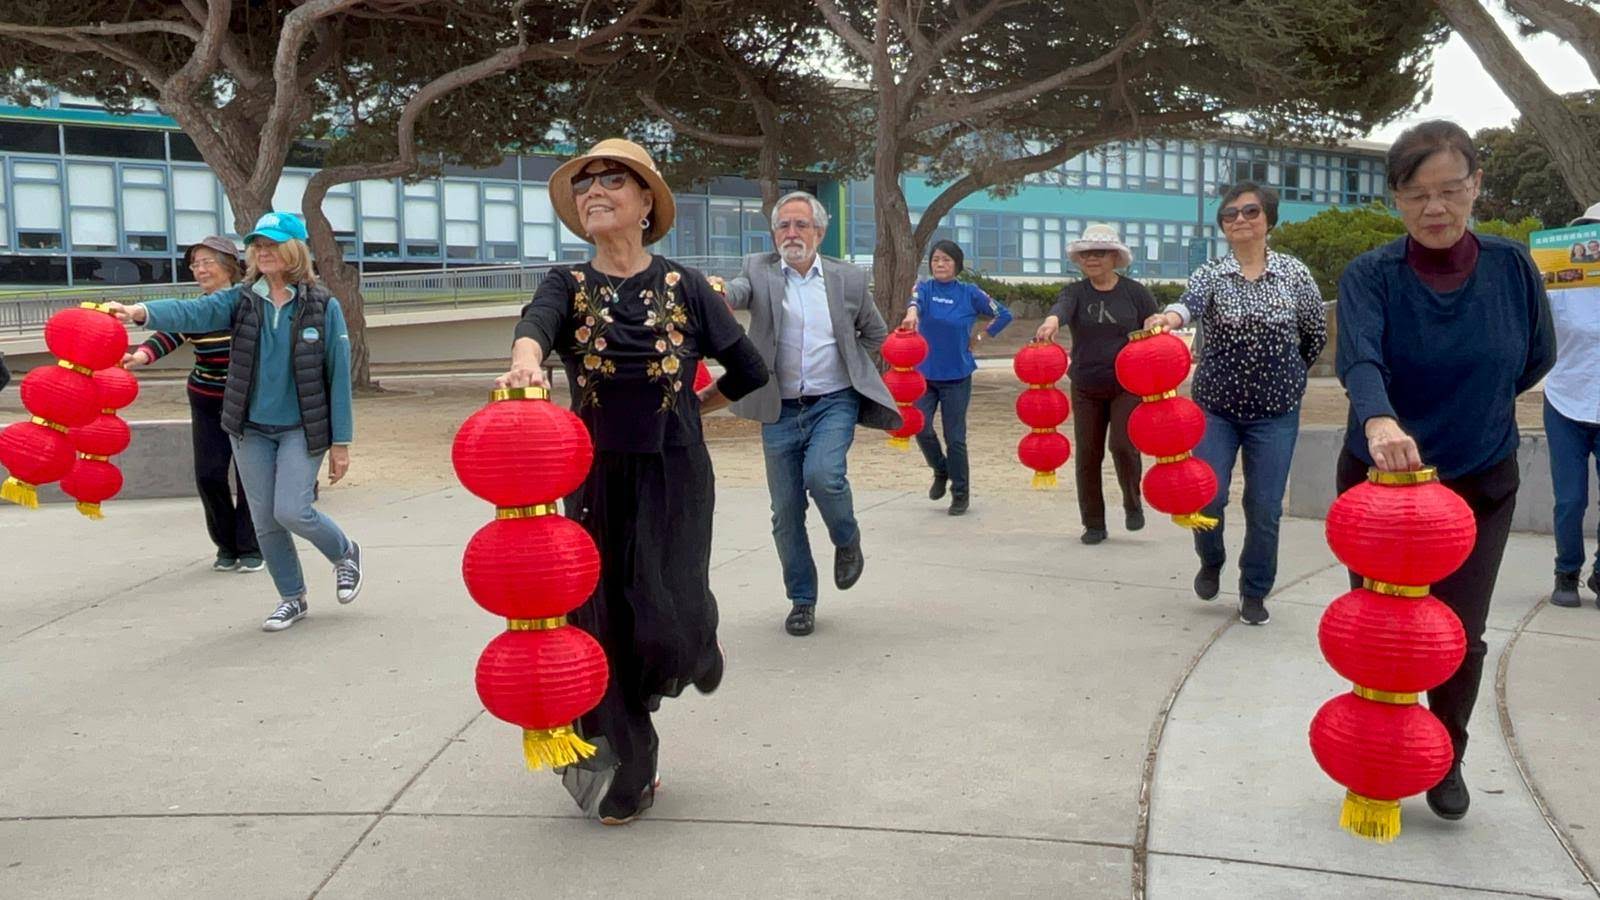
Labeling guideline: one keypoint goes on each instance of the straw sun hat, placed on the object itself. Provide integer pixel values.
(1100, 236)
(628, 154)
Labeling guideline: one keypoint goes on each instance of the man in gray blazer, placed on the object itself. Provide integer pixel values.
(818, 331)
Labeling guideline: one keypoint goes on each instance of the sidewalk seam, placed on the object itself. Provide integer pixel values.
(132, 587)
(1348, 874)
(1508, 732)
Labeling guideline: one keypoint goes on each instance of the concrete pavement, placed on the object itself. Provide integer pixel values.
(996, 710)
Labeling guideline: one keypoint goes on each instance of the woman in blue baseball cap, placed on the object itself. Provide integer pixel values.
(286, 400)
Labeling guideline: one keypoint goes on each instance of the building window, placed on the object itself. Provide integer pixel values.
(117, 143)
(290, 192)
(725, 227)
(92, 206)
(500, 222)
(36, 193)
(461, 216)
(30, 137)
(380, 219)
(422, 219)
(538, 224)
(144, 208)
(194, 204)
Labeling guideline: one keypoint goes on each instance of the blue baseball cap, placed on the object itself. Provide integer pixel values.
(278, 227)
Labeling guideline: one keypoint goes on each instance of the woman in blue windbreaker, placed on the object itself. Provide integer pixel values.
(945, 311)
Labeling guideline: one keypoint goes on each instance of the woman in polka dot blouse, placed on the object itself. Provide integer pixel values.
(1264, 326)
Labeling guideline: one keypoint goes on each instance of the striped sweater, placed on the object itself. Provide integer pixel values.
(210, 373)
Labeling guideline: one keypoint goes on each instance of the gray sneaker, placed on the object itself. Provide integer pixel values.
(225, 563)
(347, 574)
(287, 613)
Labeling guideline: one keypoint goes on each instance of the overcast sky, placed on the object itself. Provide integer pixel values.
(1463, 92)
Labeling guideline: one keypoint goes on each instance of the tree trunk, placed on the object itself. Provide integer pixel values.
(1578, 25)
(894, 258)
(343, 281)
(1575, 156)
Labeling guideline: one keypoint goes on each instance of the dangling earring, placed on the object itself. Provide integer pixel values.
(644, 224)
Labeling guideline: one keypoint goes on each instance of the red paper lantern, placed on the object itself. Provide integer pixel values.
(61, 395)
(1170, 427)
(1381, 752)
(1406, 532)
(1043, 407)
(905, 385)
(702, 377)
(911, 423)
(117, 386)
(107, 435)
(87, 336)
(536, 567)
(1180, 488)
(522, 450)
(33, 454)
(542, 679)
(92, 481)
(1152, 363)
(1044, 451)
(903, 350)
(1041, 363)
(1394, 644)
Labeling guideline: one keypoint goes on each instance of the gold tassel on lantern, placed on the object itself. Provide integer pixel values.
(1375, 820)
(1044, 481)
(91, 510)
(20, 493)
(1196, 521)
(554, 748)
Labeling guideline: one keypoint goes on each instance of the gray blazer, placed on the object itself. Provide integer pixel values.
(857, 326)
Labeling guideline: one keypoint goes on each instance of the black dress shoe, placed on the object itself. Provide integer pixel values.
(1093, 535)
(802, 620)
(1449, 798)
(958, 504)
(1208, 583)
(1566, 591)
(936, 492)
(711, 678)
(1135, 520)
(847, 565)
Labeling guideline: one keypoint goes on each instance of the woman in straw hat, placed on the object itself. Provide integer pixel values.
(630, 328)
(1099, 312)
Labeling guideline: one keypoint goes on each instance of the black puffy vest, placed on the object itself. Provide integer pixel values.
(310, 364)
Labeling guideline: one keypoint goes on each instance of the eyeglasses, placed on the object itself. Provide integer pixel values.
(610, 179)
(796, 224)
(1096, 254)
(1454, 193)
(204, 263)
(1250, 211)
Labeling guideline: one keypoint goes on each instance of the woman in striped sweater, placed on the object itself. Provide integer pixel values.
(215, 263)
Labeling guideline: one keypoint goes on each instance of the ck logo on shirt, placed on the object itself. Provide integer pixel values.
(1102, 315)
(310, 335)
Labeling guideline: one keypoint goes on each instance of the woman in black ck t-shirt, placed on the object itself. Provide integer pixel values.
(1100, 311)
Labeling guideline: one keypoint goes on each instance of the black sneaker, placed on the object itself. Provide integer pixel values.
(802, 620)
(1093, 535)
(958, 504)
(347, 574)
(1253, 611)
(1594, 584)
(1135, 521)
(1449, 798)
(1208, 583)
(225, 563)
(1566, 591)
(936, 491)
(287, 613)
(710, 679)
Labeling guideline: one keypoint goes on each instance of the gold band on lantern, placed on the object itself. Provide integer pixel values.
(1043, 430)
(81, 370)
(549, 624)
(519, 393)
(1424, 475)
(109, 411)
(48, 424)
(94, 456)
(1155, 397)
(1172, 459)
(525, 512)
(1409, 591)
(1390, 697)
(1143, 333)
(97, 307)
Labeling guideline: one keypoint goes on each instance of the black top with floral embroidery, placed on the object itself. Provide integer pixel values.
(630, 347)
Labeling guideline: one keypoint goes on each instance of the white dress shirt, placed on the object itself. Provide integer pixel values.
(809, 362)
(1573, 385)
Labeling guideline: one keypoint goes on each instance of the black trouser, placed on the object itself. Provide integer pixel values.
(1097, 412)
(1492, 494)
(228, 522)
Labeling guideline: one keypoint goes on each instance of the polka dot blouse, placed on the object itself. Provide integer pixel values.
(1260, 337)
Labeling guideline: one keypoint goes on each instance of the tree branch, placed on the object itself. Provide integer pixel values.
(679, 125)
(203, 61)
(1576, 23)
(846, 32)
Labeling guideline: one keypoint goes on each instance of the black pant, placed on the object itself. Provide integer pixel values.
(1095, 411)
(1492, 494)
(228, 522)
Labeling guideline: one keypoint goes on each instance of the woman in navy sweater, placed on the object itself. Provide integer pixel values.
(1439, 332)
(945, 310)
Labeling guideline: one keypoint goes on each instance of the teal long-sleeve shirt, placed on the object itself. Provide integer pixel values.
(273, 398)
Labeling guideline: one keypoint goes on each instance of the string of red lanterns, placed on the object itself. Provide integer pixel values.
(1400, 531)
(94, 479)
(532, 566)
(1043, 407)
(1167, 426)
(904, 350)
(59, 398)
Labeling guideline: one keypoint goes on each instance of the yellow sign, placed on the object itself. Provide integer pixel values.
(1567, 257)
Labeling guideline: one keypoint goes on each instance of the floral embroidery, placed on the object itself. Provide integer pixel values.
(664, 312)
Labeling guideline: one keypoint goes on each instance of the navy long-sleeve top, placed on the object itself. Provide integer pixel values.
(1448, 366)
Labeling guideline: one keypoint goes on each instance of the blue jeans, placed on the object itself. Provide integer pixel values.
(806, 451)
(952, 397)
(1267, 446)
(279, 476)
(1572, 444)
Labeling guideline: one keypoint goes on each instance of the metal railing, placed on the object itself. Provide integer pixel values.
(24, 311)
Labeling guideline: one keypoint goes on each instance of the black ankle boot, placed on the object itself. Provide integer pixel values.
(1449, 798)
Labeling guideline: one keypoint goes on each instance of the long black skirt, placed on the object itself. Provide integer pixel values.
(653, 611)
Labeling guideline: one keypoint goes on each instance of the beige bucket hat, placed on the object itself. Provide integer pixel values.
(1101, 236)
(628, 154)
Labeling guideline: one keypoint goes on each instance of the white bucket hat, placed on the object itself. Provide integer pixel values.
(1101, 236)
(1590, 215)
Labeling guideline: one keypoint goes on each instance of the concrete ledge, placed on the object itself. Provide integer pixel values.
(159, 464)
(1311, 479)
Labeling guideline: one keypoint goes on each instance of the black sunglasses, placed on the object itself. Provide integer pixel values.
(1250, 211)
(610, 179)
